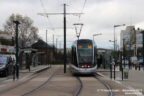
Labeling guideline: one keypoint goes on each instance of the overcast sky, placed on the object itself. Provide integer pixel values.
(99, 17)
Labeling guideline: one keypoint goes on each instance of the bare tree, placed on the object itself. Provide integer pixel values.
(28, 34)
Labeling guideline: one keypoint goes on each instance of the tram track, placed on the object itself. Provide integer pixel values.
(54, 82)
(21, 83)
(79, 88)
(81, 85)
(106, 85)
(60, 85)
(40, 86)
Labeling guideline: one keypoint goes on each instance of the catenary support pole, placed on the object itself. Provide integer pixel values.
(64, 13)
(46, 50)
(53, 51)
(65, 38)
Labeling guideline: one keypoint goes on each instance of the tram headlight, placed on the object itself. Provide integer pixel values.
(82, 66)
(88, 66)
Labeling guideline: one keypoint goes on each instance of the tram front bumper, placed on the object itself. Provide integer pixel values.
(77, 70)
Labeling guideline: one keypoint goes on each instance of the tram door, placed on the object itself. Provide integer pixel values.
(74, 58)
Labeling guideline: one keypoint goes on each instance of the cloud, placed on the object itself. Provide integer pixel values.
(99, 16)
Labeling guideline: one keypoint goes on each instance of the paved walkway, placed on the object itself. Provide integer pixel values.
(135, 78)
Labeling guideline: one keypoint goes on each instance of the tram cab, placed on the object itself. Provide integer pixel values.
(84, 57)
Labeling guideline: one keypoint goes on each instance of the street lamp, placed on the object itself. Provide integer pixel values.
(113, 42)
(96, 35)
(111, 65)
(17, 50)
(114, 34)
(115, 45)
(114, 61)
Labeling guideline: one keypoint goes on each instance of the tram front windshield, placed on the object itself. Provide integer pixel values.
(85, 52)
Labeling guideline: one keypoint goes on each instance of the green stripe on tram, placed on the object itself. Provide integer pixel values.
(73, 46)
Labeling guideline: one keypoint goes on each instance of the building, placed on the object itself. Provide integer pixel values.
(6, 42)
(131, 40)
(104, 57)
(44, 52)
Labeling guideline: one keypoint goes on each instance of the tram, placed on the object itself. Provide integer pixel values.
(84, 57)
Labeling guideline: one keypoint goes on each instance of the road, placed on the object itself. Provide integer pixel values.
(53, 82)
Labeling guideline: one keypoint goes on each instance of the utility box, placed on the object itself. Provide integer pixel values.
(125, 72)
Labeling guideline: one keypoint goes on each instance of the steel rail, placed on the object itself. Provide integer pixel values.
(40, 86)
(106, 85)
(79, 88)
(19, 84)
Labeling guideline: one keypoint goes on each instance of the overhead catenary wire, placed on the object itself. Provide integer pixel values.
(65, 1)
(83, 6)
(80, 24)
(47, 15)
(82, 9)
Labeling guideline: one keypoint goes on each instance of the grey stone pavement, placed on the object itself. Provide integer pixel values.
(135, 78)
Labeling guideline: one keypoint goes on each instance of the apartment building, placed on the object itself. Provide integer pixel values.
(131, 38)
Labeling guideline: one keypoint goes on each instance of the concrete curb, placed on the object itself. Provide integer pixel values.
(35, 72)
(40, 70)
